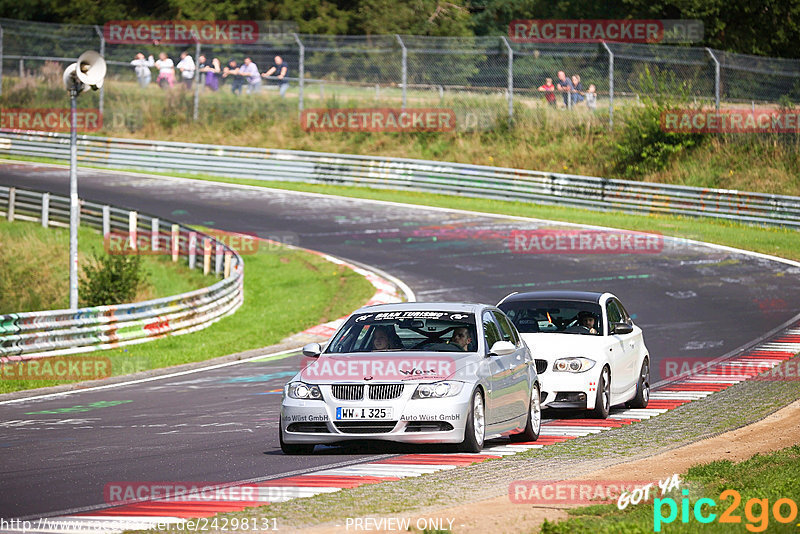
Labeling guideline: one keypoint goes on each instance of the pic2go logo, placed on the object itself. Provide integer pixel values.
(756, 511)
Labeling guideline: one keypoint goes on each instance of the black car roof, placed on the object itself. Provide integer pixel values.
(583, 296)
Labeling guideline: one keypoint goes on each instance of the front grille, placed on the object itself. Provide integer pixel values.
(541, 366)
(428, 426)
(348, 392)
(314, 428)
(385, 391)
(365, 427)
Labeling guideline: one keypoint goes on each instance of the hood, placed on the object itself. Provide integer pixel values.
(387, 367)
(550, 346)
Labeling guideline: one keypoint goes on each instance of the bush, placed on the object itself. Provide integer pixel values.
(111, 279)
(643, 146)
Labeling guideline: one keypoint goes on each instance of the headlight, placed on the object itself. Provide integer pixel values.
(301, 390)
(573, 365)
(438, 390)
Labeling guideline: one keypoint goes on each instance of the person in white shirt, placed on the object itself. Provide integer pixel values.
(186, 66)
(166, 70)
(142, 69)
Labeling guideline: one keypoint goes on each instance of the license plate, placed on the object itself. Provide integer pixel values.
(344, 414)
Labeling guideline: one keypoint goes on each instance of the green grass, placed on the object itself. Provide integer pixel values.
(273, 309)
(34, 268)
(771, 476)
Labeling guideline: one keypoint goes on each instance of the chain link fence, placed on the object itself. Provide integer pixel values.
(486, 81)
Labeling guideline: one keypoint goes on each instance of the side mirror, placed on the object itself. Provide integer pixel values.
(621, 328)
(502, 348)
(312, 350)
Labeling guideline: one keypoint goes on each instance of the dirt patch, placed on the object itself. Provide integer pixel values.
(499, 515)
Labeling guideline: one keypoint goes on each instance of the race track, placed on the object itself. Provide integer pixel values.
(220, 425)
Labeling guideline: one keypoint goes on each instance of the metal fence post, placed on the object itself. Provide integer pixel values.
(716, 77)
(1, 60)
(510, 79)
(196, 110)
(192, 249)
(404, 71)
(45, 210)
(301, 72)
(12, 195)
(133, 225)
(106, 221)
(102, 95)
(610, 85)
(154, 234)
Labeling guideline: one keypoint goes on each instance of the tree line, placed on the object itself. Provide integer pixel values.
(763, 27)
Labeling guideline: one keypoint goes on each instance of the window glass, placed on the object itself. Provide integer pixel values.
(508, 332)
(614, 315)
(490, 330)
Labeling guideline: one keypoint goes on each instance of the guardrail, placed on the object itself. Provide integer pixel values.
(56, 332)
(416, 175)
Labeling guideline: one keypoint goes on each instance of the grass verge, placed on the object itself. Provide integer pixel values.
(273, 309)
(759, 482)
(34, 268)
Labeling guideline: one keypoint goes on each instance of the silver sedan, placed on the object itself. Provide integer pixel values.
(414, 373)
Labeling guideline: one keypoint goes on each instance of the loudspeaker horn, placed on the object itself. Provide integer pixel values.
(91, 69)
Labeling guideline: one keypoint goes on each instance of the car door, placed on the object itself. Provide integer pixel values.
(519, 361)
(623, 350)
(494, 400)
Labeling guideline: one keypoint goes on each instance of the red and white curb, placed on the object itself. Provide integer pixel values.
(176, 511)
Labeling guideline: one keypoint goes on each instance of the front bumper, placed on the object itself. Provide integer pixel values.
(569, 390)
(412, 421)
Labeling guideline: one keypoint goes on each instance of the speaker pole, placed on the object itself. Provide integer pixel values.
(73, 199)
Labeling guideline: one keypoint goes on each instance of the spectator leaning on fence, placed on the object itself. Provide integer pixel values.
(231, 74)
(209, 74)
(187, 68)
(142, 68)
(549, 91)
(281, 70)
(166, 70)
(565, 86)
(250, 71)
(577, 86)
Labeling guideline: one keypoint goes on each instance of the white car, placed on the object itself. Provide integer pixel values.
(589, 354)
(414, 373)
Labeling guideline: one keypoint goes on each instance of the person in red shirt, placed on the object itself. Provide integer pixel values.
(549, 91)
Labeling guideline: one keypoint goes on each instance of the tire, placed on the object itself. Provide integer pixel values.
(475, 429)
(294, 448)
(534, 424)
(642, 397)
(602, 403)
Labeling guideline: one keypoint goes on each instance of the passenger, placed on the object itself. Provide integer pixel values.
(587, 321)
(461, 338)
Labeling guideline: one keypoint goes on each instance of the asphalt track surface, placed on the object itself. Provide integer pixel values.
(58, 454)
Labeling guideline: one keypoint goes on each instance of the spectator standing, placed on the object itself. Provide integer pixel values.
(187, 68)
(141, 67)
(231, 73)
(166, 70)
(565, 86)
(281, 69)
(549, 91)
(250, 72)
(591, 97)
(577, 86)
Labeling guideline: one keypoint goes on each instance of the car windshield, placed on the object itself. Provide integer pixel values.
(437, 331)
(562, 317)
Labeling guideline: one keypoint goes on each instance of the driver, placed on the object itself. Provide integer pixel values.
(461, 337)
(383, 339)
(587, 321)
